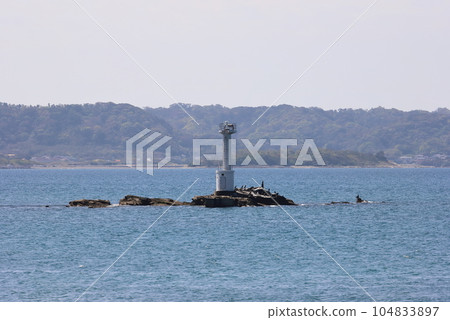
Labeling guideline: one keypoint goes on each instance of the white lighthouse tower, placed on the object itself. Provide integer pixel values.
(225, 176)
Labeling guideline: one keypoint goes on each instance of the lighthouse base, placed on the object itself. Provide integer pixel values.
(218, 202)
(224, 181)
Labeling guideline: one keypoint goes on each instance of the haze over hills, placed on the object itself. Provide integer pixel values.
(99, 131)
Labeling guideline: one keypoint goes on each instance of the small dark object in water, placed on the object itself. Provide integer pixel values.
(359, 200)
(99, 203)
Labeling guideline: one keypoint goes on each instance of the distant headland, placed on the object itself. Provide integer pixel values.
(94, 135)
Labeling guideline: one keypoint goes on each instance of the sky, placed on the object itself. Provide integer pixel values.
(228, 52)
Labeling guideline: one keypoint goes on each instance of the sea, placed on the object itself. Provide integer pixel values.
(393, 248)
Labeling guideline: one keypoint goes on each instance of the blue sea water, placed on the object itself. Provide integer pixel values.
(396, 248)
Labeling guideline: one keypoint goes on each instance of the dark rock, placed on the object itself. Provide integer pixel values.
(90, 203)
(242, 197)
(131, 200)
(167, 202)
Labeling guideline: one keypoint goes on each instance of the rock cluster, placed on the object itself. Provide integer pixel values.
(240, 197)
(243, 197)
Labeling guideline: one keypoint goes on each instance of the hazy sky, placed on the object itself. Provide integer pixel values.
(227, 52)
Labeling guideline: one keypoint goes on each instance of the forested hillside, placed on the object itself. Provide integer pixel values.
(81, 131)
(393, 131)
(99, 131)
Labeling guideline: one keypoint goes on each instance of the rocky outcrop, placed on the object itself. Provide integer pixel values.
(243, 197)
(131, 200)
(98, 203)
(240, 197)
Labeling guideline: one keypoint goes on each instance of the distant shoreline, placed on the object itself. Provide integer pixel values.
(123, 167)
